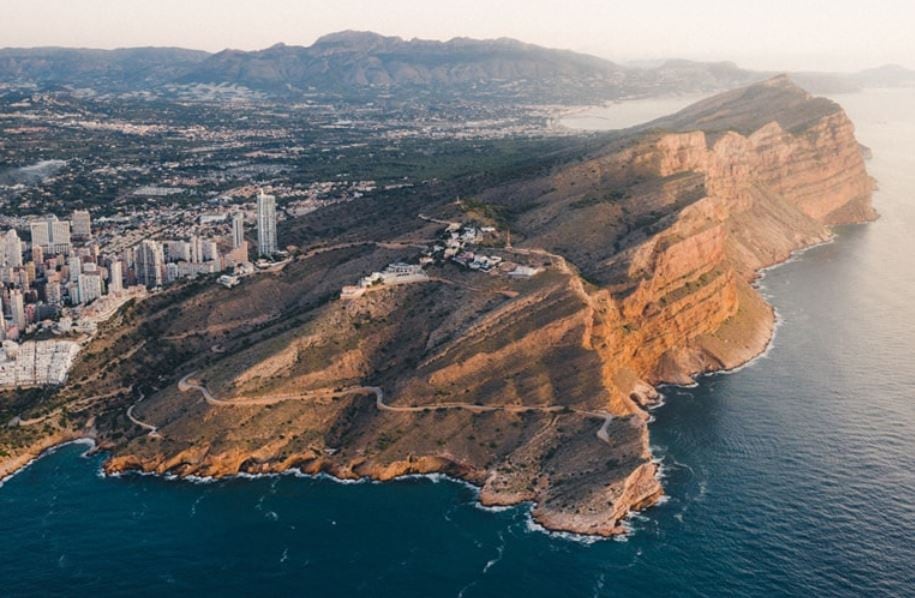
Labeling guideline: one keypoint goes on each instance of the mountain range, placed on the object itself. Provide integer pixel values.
(353, 63)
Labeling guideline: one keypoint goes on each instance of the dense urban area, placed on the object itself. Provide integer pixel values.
(105, 199)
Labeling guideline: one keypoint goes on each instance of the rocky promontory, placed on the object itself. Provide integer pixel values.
(535, 388)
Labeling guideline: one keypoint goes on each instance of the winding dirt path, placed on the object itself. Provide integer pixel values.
(186, 384)
(153, 430)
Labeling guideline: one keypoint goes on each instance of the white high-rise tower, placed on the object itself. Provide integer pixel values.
(11, 249)
(51, 234)
(149, 263)
(17, 310)
(115, 277)
(266, 224)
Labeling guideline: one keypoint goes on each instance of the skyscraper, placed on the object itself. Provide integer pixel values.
(11, 250)
(115, 277)
(90, 287)
(82, 224)
(51, 234)
(238, 230)
(196, 250)
(75, 268)
(149, 261)
(17, 309)
(266, 224)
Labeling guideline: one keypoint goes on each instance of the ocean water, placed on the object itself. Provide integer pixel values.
(620, 115)
(792, 477)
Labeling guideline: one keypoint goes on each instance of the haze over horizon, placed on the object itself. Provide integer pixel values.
(841, 35)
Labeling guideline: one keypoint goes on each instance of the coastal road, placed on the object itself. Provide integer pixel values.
(186, 384)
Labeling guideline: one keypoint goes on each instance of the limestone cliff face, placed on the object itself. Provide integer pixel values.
(650, 249)
(685, 296)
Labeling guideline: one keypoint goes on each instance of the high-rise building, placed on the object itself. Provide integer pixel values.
(82, 224)
(51, 234)
(38, 255)
(115, 277)
(178, 251)
(90, 286)
(75, 266)
(149, 262)
(266, 224)
(17, 309)
(52, 293)
(11, 249)
(196, 250)
(238, 230)
(73, 293)
(210, 251)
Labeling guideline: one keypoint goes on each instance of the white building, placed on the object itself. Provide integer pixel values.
(90, 286)
(266, 224)
(116, 277)
(210, 251)
(17, 309)
(75, 266)
(149, 260)
(36, 363)
(525, 272)
(51, 234)
(11, 249)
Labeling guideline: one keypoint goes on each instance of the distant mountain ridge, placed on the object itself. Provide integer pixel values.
(121, 69)
(367, 59)
(359, 63)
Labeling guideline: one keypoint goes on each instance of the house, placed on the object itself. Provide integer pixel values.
(350, 292)
(525, 272)
(228, 280)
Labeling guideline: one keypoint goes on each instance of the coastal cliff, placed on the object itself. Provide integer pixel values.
(533, 389)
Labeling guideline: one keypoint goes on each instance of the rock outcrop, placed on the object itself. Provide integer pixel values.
(650, 248)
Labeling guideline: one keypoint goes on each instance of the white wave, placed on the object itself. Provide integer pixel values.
(500, 552)
(533, 527)
(435, 478)
(493, 508)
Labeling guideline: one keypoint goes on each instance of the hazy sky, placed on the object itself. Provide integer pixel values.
(770, 34)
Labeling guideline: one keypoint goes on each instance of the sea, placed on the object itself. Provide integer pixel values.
(794, 476)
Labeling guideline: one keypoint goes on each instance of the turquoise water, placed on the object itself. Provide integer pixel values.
(795, 476)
